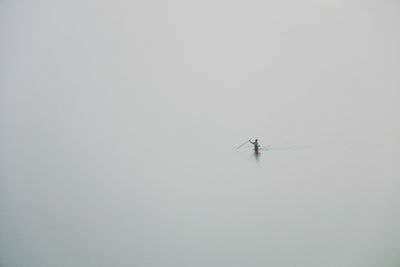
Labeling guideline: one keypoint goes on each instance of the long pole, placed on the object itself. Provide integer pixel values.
(242, 144)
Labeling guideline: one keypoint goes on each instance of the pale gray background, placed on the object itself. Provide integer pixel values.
(118, 121)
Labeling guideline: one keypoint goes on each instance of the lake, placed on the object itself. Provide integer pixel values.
(120, 122)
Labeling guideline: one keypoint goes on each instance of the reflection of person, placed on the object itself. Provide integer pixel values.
(256, 145)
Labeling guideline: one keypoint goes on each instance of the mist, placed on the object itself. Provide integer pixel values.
(119, 123)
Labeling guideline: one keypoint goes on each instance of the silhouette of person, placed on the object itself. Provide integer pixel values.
(256, 145)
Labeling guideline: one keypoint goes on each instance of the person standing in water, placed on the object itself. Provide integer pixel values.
(256, 145)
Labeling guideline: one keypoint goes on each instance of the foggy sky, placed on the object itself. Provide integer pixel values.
(118, 119)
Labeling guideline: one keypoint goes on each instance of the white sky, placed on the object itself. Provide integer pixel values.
(118, 90)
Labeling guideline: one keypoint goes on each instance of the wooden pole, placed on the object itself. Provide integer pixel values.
(242, 144)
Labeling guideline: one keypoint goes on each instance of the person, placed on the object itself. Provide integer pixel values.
(256, 145)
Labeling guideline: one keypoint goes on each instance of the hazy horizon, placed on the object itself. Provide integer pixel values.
(119, 123)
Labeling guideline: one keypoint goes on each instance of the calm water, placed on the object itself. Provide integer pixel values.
(118, 131)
